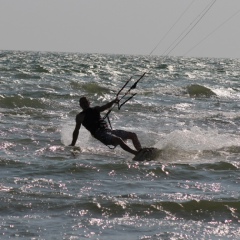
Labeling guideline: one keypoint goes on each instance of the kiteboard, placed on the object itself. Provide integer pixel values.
(148, 154)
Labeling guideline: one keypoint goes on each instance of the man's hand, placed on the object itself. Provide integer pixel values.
(116, 100)
(108, 105)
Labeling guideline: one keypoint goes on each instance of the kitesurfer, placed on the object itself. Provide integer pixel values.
(91, 119)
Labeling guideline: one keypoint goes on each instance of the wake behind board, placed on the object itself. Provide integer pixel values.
(148, 154)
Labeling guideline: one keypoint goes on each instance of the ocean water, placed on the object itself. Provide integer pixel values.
(188, 107)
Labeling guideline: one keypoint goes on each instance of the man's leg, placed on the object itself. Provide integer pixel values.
(125, 135)
(118, 141)
(134, 138)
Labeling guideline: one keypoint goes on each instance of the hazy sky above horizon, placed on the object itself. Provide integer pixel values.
(121, 26)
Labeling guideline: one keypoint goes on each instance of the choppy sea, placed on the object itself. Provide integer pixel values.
(188, 107)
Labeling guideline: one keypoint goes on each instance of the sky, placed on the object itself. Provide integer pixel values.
(122, 27)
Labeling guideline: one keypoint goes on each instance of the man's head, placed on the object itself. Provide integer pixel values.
(84, 103)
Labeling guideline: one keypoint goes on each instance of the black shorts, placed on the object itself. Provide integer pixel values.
(105, 135)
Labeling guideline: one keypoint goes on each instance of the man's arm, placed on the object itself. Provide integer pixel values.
(79, 120)
(108, 105)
